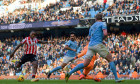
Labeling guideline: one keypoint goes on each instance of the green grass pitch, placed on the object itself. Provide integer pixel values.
(69, 82)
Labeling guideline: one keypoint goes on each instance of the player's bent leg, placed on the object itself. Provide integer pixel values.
(87, 70)
(103, 52)
(56, 69)
(81, 71)
(35, 65)
(78, 67)
(87, 60)
(113, 68)
(18, 63)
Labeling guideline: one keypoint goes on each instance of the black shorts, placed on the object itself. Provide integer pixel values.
(27, 57)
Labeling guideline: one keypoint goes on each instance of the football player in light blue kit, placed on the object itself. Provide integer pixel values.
(97, 32)
(71, 46)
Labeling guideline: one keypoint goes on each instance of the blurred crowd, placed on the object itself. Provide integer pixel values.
(7, 2)
(123, 47)
(87, 9)
(123, 7)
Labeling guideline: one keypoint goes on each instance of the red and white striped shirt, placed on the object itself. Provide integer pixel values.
(30, 45)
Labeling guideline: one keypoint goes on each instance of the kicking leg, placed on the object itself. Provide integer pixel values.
(55, 69)
(35, 66)
(87, 60)
(103, 52)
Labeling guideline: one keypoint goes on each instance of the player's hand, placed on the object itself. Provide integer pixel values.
(74, 50)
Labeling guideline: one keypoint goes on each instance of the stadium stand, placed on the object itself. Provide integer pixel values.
(34, 11)
(124, 47)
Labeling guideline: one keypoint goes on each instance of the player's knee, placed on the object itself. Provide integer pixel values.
(109, 58)
(35, 64)
(63, 65)
(87, 62)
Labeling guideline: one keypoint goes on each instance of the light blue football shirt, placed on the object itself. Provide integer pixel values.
(96, 33)
(72, 45)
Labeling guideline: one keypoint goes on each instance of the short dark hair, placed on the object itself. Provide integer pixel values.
(72, 32)
(99, 16)
(32, 32)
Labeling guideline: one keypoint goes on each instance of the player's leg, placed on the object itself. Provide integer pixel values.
(65, 62)
(103, 52)
(56, 69)
(35, 66)
(75, 63)
(87, 60)
(33, 60)
(81, 70)
(22, 60)
(88, 69)
(85, 72)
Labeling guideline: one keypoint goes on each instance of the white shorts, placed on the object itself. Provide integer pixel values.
(67, 59)
(99, 48)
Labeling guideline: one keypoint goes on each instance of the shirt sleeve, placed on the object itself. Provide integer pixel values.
(68, 43)
(89, 32)
(24, 41)
(104, 26)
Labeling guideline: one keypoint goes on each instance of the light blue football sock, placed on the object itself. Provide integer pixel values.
(81, 70)
(78, 67)
(113, 68)
(55, 69)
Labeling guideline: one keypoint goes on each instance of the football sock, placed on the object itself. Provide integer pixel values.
(55, 69)
(81, 70)
(78, 67)
(113, 68)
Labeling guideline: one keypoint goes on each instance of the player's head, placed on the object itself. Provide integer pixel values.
(72, 36)
(99, 16)
(32, 34)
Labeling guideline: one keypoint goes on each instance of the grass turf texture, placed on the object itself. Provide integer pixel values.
(69, 82)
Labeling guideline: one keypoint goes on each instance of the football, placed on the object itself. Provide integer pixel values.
(20, 78)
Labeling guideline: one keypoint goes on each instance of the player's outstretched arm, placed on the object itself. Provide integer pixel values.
(68, 48)
(44, 42)
(16, 50)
